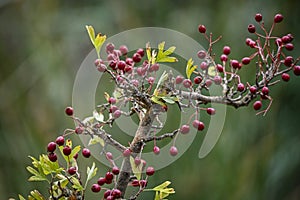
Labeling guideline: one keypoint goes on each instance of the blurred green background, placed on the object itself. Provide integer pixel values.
(42, 44)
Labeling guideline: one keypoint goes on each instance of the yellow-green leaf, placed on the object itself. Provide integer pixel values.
(190, 68)
(91, 172)
(212, 71)
(162, 186)
(162, 56)
(21, 197)
(37, 195)
(98, 116)
(91, 33)
(76, 184)
(96, 139)
(148, 52)
(157, 100)
(97, 41)
(136, 169)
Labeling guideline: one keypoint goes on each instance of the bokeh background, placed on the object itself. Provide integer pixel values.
(42, 44)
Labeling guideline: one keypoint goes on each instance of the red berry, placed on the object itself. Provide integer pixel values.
(198, 125)
(123, 49)
(96, 188)
(86, 152)
(143, 183)
(79, 130)
(208, 82)
(289, 46)
(52, 157)
(235, 64)
(107, 193)
(288, 61)
(154, 67)
(185, 129)
(69, 111)
(178, 79)
(110, 48)
(257, 105)
(173, 151)
(265, 90)
(113, 64)
(101, 68)
(150, 171)
(116, 193)
(141, 52)
(197, 79)
(101, 181)
(115, 170)
(109, 155)
(223, 58)
(278, 18)
(201, 54)
(251, 28)
(112, 100)
(129, 61)
(51, 147)
(285, 77)
(98, 62)
(218, 80)
(203, 65)
(72, 170)
(211, 111)
(201, 28)
(75, 156)
(137, 161)
(128, 69)
(110, 197)
(135, 183)
(246, 60)
(253, 89)
(187, 83)
(226, 50)
(278, 41)
(258, 17)
(220, 68)
(113, 108)
(117, 114)
(126, 153)
(240, 87)
(67, 150)
(121, 65)
(297, 70)
(109, 176)
(136, 57)
(151, 80)
(156, 150)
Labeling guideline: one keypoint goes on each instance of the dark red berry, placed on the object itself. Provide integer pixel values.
(220, 68)
(67, 150)
(86, 152)
(288, 61)
(52, 157)
(136, 57)
(201, 28)
(257, 105)
(110, 197)
(258, 17)
(141, 52)
(112, 100)
(110, 48)
(128, 69)
(198, 125)
(113, 64)
(246, 60)
(226, 50)
(109, 176)
(278, 18)
(251, 28)
(187, 83)
(72, 170)
(223, 58)
(253, 89)
(129, 61)
(51, 147)
(113, 108)
(108, 181)
(69, 111)
(278, 41)
(197, 79)
(115, 170)
(297, 70)
(235, 64)
(75, 156)
(265, 90)
(126, 152)
(143, 183)
(150, 171)
(173, 151)
(285, 77)
(185, 129)
(123, 49)
(156, 150)
(203, 65)
(79, 130)
(116, 193)
(96, 188)
(289, 46)
(240, 87)
(121, 65)
(107, 193)
(135, 183)
(101, 181)
(211, 111)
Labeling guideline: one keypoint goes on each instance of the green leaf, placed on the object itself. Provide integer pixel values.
(76, 184)
(75, 150)
(157, 100)
(162, 78)
(37, 195)
(97, 41)
(98, 116)
(168, 100)
(96, 139)
(190, 68)
(63, 180)
(148, 52)
(162, 56)
(91, 172)
(212, 71)
(21, 197)
(136, 169)
(91, 33)
(162, 190)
